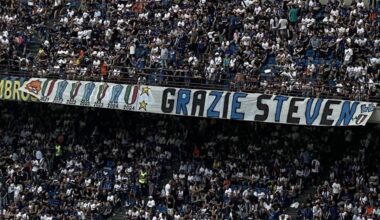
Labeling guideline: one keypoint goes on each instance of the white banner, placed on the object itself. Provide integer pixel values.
(83, 93)
(202, 103)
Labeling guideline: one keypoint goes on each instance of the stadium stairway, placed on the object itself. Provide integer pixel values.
(292, 212)
(37, 40)
(119, 214)
(166, 175)
(34, 46)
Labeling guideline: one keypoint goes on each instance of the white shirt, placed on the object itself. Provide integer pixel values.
(273, 23)
(193, 60)
(45, 217)
(97, 14)
(167, 189)
(336, 187)
(283, 23)
(39, 155)
(348, 54)
(96, 62)
(228, 192)
(57, 3)
(246, 40)
(110, 198)
(361, 41)
(315, 166)
(151, 203)
(132, 50)
(317, 211)
(334, 12)
(218, 60)
(360, 30)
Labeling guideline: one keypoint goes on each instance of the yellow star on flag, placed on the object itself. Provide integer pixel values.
(143, 105)
(145, 90)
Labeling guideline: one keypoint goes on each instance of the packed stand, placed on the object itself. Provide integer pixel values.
(289, 46)
(65, 165)
(351, 190)
(64, 162)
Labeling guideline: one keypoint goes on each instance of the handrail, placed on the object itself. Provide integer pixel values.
(191, 79)
(143, 71)
(3, 203)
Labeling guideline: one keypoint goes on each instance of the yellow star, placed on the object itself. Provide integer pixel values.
(145, 90)
(143, 105)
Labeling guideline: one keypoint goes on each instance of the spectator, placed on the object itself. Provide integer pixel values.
(154, 166)
(280, 47)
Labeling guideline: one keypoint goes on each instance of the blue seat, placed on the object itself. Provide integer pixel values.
(74, 3)
(271, 60)
(110, 163)
(309, 52)
(162, 209)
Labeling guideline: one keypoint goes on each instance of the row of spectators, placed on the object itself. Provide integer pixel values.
(81, 163)
(351, 191)
(278, 46)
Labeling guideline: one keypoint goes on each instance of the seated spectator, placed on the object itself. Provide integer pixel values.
(273, 45)
(58, 162)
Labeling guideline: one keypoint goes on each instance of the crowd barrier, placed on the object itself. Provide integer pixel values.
(190, 79)
(11, 80)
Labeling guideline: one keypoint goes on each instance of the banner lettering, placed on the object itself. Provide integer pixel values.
(202, 103)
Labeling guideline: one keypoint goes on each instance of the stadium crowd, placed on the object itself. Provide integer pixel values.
(62, 162)
(351, 191)
(276, 46)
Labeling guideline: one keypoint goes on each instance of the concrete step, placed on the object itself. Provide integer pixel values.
(291, 212)
(119, 214)
(301, 199)
(117, 217)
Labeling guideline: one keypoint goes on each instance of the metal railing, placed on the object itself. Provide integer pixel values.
(309, 87)
(3, 204)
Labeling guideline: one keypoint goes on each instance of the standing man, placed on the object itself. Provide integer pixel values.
(57, 154)
(143, 181)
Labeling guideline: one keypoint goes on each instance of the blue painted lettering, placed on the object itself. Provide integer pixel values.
(347, 112)
(182, 101)
(311, 118)
(280, 100)
(211, 110)
(236, 104)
